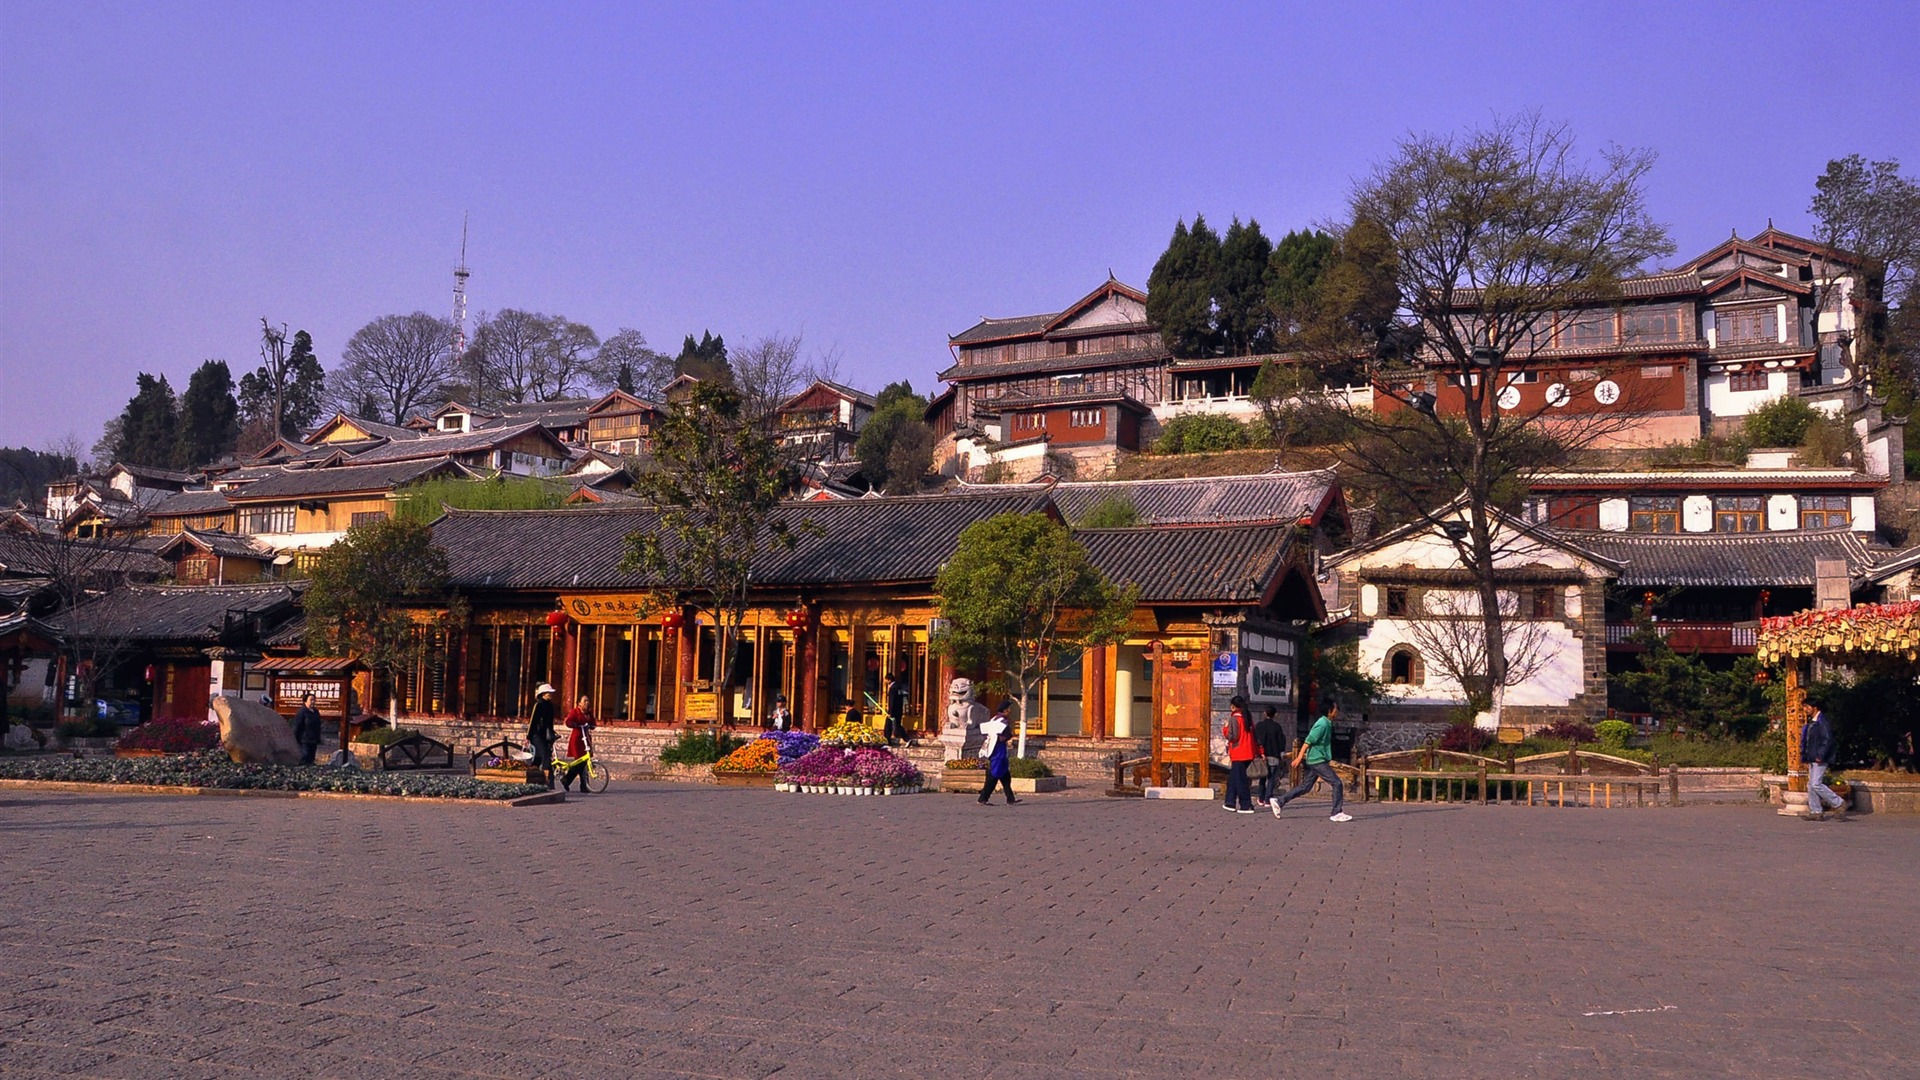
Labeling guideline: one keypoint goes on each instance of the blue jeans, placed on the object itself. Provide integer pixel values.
(1272, 780)
(1315, 774)
(1239, 787)
(1819, 795)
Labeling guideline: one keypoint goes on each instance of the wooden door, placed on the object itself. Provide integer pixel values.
(183, 691)
(1183, 696)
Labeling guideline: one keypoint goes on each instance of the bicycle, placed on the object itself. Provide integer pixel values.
(595, 778)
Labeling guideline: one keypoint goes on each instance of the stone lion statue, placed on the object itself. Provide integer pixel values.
(961, 735)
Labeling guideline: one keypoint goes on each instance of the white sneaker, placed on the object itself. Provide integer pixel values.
(1341, 817)
(1275, 807)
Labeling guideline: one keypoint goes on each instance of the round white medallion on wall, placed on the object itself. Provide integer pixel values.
(1558, 394)
(1509, 397)
(1606, 391)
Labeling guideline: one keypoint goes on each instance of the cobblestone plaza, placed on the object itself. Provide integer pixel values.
(662, 930)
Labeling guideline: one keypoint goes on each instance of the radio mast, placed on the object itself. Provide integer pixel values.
(460, 275)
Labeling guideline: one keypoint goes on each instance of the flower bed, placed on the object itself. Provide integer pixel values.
(759, 757)
(850, 734)
(172, 735)
(842, 771)
(212, 769)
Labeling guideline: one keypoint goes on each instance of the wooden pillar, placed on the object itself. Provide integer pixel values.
(686, 663)
(1159, 686)
(567, 644)
(806, 675)
(1093, 691)
(1796, 716)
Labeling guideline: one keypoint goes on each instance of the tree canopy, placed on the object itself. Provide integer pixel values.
(150, 425)
(704, 359)
(209, 417)
(395, 364)
(895, 448)
(1019, 595)
(300, 385)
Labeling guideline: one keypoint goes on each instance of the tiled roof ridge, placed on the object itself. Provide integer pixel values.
(1000, 491)
(1272, 474)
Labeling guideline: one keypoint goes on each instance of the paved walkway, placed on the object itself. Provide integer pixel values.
(663, 930)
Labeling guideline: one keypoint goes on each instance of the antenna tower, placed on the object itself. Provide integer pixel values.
(460, 275)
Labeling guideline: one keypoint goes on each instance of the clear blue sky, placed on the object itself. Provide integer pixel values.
(874, 177)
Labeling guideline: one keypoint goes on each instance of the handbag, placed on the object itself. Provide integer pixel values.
(1257, 768)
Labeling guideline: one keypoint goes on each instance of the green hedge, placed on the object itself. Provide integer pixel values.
(694, 747)
(213, 769)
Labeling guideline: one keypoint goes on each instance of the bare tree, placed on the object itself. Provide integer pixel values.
(399, 362)
(1451, 637)
(1461, 253)
(273, 363)
(519, 356)
(1870, 220)
(766, 372)
(628, 363)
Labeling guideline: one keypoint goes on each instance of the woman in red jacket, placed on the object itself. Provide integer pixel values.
(578, 724)
(1241, 749)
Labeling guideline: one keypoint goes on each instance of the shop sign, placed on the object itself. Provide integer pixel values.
(1269, 682)
(1226, 670)
(603, 608)
(701, 707)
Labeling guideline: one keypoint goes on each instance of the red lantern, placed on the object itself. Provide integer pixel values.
(671, 620)
(797, 619)
(556, 618)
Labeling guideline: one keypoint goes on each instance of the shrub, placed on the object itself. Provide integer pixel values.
(1465, 738)
(1571, 731)
(1115, 512)
(172, 735)
(1028, 768)
(695, 747)
(212, 769)
(1780, 422)
(1612, 734)
(92, 727)
(1203, 433)
(384, 736)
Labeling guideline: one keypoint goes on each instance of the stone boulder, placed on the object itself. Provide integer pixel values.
(20, 738)
(253, 734)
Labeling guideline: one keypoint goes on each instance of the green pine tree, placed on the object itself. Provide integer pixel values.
(1243, 319)
(149, 425)
(209, 417)
(1293, 278)
(1180, 291)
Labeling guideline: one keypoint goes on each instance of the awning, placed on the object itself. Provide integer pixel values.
(308, 664)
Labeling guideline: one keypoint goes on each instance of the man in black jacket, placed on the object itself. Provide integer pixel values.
(306, 729)
(1816, 749)
(1271, 738)
(540, 730)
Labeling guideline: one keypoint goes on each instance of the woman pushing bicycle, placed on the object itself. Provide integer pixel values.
(578, 724)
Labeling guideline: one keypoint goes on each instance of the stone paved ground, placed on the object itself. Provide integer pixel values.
(664, 930)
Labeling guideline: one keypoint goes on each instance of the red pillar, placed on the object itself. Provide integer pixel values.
(807, 676)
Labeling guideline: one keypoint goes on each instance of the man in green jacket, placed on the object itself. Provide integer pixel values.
(1316, 751)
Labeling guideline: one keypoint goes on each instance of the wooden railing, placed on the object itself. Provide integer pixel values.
(1523, 789)
(1711, 637)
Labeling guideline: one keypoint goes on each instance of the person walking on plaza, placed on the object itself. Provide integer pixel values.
(540, 731)
(1316, 751)
(1271, 738)
(1241, 750)
(306, 729)
(1816, 749)
(896, 709)
(578, 724)
(998, 771)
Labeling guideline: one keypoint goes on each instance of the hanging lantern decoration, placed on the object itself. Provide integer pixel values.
(797, 619)
(672, 620)
(556, 619)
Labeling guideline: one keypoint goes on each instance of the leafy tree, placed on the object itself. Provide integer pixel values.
(1480, 238)
(427, 500)
(149, 425)
(302, 394)
(1019, 595)
(705, 359)
(367, 594)
(895, 448)
(1180, 290)
(1279, 390)
(1293, 279)
(1682, 690)
(1243, 319)
(1780, 422)
(393, 365)
(717, 479)
(898, 391)
(209, 417)
(1869, 210)
(1111, 512)
(25, 474)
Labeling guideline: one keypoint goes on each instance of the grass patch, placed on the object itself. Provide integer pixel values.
(212, 769)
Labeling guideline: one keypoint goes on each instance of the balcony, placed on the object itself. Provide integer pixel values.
(1732, 638)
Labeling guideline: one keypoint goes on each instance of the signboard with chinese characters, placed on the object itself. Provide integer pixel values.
(1269, 682)
(701, 707)
(602, 608)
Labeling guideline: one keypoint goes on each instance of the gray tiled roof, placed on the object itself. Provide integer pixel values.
(1726, 560)
(338, 480)
(1210, 500)
(191, 502)
(428, 446)
(172, 612)
(846, 542)
(1077, 362)
(1190, 564)
(221, 543)
(995, 329)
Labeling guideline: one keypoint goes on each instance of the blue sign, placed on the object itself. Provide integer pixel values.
(1226, 669)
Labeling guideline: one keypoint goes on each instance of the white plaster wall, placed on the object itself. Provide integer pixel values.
(1239, 408)
(1723, 400)
(1696, 513)
(1614, 516)
(1878, 462)
(1560, 679)
(1831, 406)
(1783, 512)
(1863, 519)
(1369, 600)
(1113, 311)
